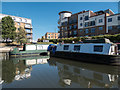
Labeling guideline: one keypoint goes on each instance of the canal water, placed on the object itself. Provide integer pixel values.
(46, 72)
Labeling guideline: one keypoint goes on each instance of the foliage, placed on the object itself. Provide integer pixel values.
(8, 28)
(114, 38)
(21, 36)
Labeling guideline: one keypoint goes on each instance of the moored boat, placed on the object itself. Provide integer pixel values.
(30, 50)
(93, 51)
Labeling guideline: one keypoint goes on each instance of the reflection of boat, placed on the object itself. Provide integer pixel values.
(94, 51)
(86, 75)
(32, 60)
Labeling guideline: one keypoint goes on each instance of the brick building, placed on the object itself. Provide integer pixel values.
(25, 23)
(88, 23)
(51, 35)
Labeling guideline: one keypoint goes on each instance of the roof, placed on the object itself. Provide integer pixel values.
(65, 12)
(114, 14)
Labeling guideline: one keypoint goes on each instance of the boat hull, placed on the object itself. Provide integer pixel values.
(91, 58)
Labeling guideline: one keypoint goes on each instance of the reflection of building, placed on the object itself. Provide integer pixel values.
(23, 75)
(86, 78)
(88, 23)
(26, 73)
(25, 23)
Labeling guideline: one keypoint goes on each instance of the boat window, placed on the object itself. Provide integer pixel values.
(118, 46)
(77, 47)
(66, 47)
(98, 48)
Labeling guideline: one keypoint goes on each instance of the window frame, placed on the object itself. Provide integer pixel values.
(77, 47)
(95, 49)
(109, 19)
(65, 47)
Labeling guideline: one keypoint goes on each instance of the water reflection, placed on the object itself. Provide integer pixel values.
(35, 72)
(86, 75)
(20, 68)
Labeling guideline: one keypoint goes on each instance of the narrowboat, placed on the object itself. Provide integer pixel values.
(93, 51)
(30, 50)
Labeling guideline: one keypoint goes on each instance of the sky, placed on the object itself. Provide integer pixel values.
(45, 16)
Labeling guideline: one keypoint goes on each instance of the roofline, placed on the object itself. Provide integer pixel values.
(15, 16)
(65, 12)
(114, 14)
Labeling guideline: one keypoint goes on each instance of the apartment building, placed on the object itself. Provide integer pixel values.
(25, 23)
(86, 23)
(51, 35)
(113, 24)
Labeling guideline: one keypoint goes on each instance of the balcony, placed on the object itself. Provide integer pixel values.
(28, 26)
(59, 21)
(29, 32)
(29, 37)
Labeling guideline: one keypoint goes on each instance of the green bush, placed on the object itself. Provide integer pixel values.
(113, 38)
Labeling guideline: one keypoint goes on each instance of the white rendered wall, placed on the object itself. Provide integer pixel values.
(17, 19)
(82, 21)
(114, 22)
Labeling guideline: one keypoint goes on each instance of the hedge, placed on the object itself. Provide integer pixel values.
(113, 38)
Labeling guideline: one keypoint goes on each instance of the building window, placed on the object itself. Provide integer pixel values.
(66, 47)
(65, 33)
(92, 30)
(70, 27)
(118, 26)
(18, 29)
(14, 18)
(75, 26)
(92, 23)
(48, 37)
(109, 27)
(81, 30)
(80, 24)
(98, 48)
(86, 24)
(70, 33)
(86, 30)
(86, 18)
(18, 23)
(20, 20)
(118, 17)
(100, 20)
(100, 28)
(25, 20)
(80, 18)
(75, 32)
(75, 20)
(109, 19)
(77, 48)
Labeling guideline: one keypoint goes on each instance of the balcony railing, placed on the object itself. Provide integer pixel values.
(28, 31)
(28, 26)
(29, 36)
(59, 21)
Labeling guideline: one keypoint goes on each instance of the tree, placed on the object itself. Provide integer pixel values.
(21, 36)
(8, 28)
